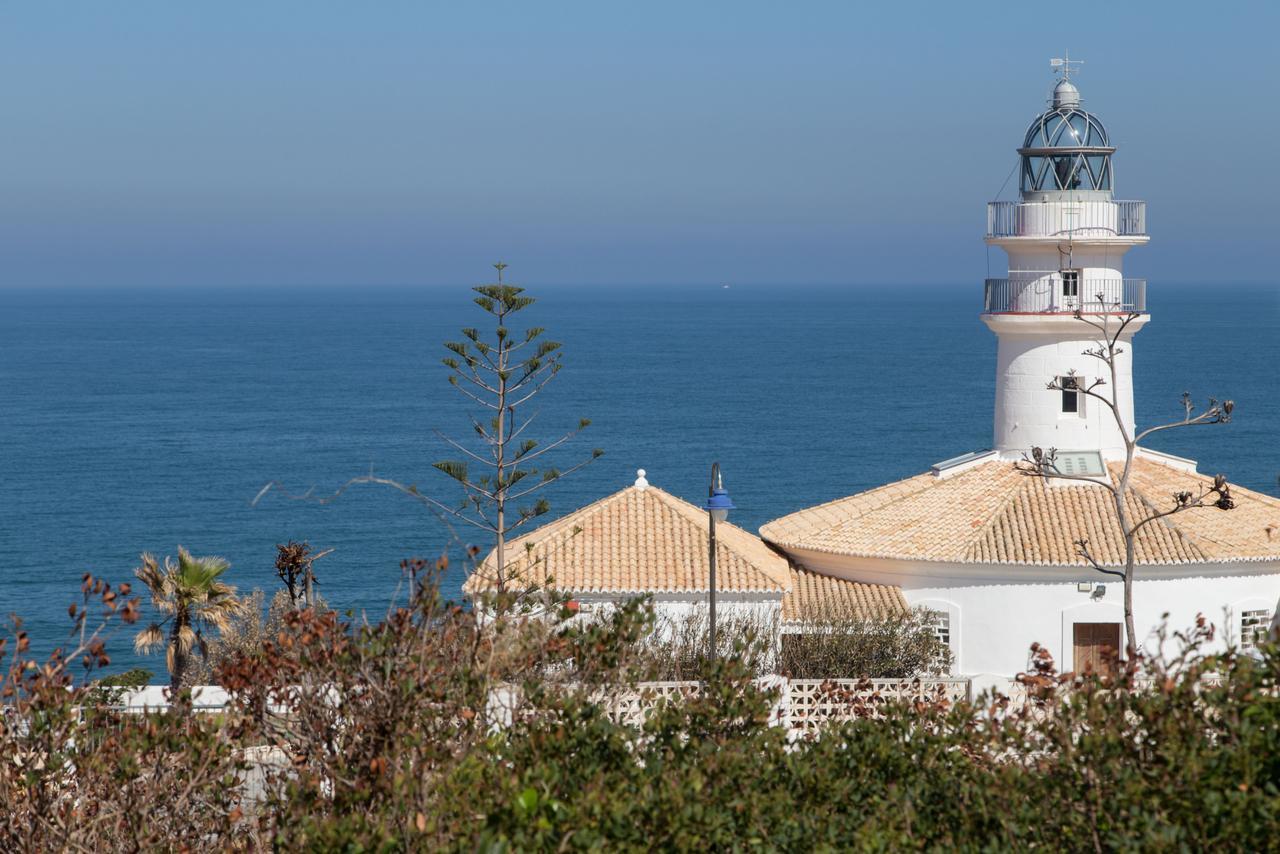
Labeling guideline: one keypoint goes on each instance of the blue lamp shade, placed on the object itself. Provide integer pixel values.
(718, 504)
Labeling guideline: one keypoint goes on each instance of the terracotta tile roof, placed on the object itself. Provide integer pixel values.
(639, 541)
(814, 596)
(992, 514)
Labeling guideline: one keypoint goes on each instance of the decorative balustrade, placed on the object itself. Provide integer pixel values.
(1088, 218)
(815, 703)
(803, 705)
(1049, 295)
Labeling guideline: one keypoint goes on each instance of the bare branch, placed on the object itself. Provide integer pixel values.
(410, 490)
(1215, 413)
(1082, 549)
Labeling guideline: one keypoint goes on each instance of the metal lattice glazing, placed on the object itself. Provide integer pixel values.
(1066, 148)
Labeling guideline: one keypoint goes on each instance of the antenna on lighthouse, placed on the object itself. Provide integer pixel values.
(1063, 64)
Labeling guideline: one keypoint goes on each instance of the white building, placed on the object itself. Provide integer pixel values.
(643, 540)
(993, 549)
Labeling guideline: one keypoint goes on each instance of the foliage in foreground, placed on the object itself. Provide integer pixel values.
(396, 735)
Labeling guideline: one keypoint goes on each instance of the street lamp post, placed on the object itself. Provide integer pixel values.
(718, 507)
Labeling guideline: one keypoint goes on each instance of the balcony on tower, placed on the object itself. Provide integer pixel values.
(1064, 293)
(1067, 218)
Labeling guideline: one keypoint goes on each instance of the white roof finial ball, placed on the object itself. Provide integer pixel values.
(641, 483)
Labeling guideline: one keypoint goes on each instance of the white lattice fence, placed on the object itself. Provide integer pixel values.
(813, 703)
(803, 704)
(630, 706)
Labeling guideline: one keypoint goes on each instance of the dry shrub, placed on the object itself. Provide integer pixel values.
(845, 646)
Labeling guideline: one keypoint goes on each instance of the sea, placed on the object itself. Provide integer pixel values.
(140, 419)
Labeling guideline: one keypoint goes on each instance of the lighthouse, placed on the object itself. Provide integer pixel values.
(995, 555)
(1066, 238)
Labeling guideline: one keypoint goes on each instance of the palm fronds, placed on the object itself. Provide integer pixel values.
(190, 591)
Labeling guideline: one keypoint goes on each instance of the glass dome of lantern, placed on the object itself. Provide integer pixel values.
(1066, 148)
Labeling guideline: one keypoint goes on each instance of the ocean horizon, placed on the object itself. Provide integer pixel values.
(138, 419)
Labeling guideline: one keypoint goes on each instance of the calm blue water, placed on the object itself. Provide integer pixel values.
(138, 420)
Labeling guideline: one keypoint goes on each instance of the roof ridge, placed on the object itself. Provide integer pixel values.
(865, 494)
(691, 515)
(997, 515)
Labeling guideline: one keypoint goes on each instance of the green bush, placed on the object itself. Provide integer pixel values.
(390, 737)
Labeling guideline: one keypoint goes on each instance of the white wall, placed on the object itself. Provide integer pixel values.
(998, 623)
(1032, 351)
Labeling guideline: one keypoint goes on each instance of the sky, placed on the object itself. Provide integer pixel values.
(317, 143)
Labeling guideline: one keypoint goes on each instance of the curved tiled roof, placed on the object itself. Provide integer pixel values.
(648, 541)
(639, 541)
(991, 513)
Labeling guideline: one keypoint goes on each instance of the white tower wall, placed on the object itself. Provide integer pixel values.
(1031, 352)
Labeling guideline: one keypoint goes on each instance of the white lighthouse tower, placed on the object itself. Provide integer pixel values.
(1066, 238)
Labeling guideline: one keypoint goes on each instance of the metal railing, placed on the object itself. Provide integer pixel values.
(1046, 295)
(1067, 219)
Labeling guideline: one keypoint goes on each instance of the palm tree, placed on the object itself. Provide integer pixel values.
(190, 593)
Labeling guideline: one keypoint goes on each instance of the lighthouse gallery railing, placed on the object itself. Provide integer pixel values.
(1086, 218)
(1046, 295)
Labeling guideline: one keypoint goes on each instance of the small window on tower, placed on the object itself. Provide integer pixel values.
(1070, 394)
(1071, 284)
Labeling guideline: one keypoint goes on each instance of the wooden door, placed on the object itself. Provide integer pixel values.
(1097, 647)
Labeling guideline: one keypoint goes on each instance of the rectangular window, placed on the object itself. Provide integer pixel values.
(1070, 394)
(1255, 625)
(1071, 284)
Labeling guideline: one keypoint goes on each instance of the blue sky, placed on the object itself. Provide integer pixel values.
(324, 143)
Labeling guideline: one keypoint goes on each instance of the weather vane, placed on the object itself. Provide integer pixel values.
(1063, 64)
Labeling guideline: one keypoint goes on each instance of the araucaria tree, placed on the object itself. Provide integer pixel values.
(194, 599)
(1110, 328)
(501, 374)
